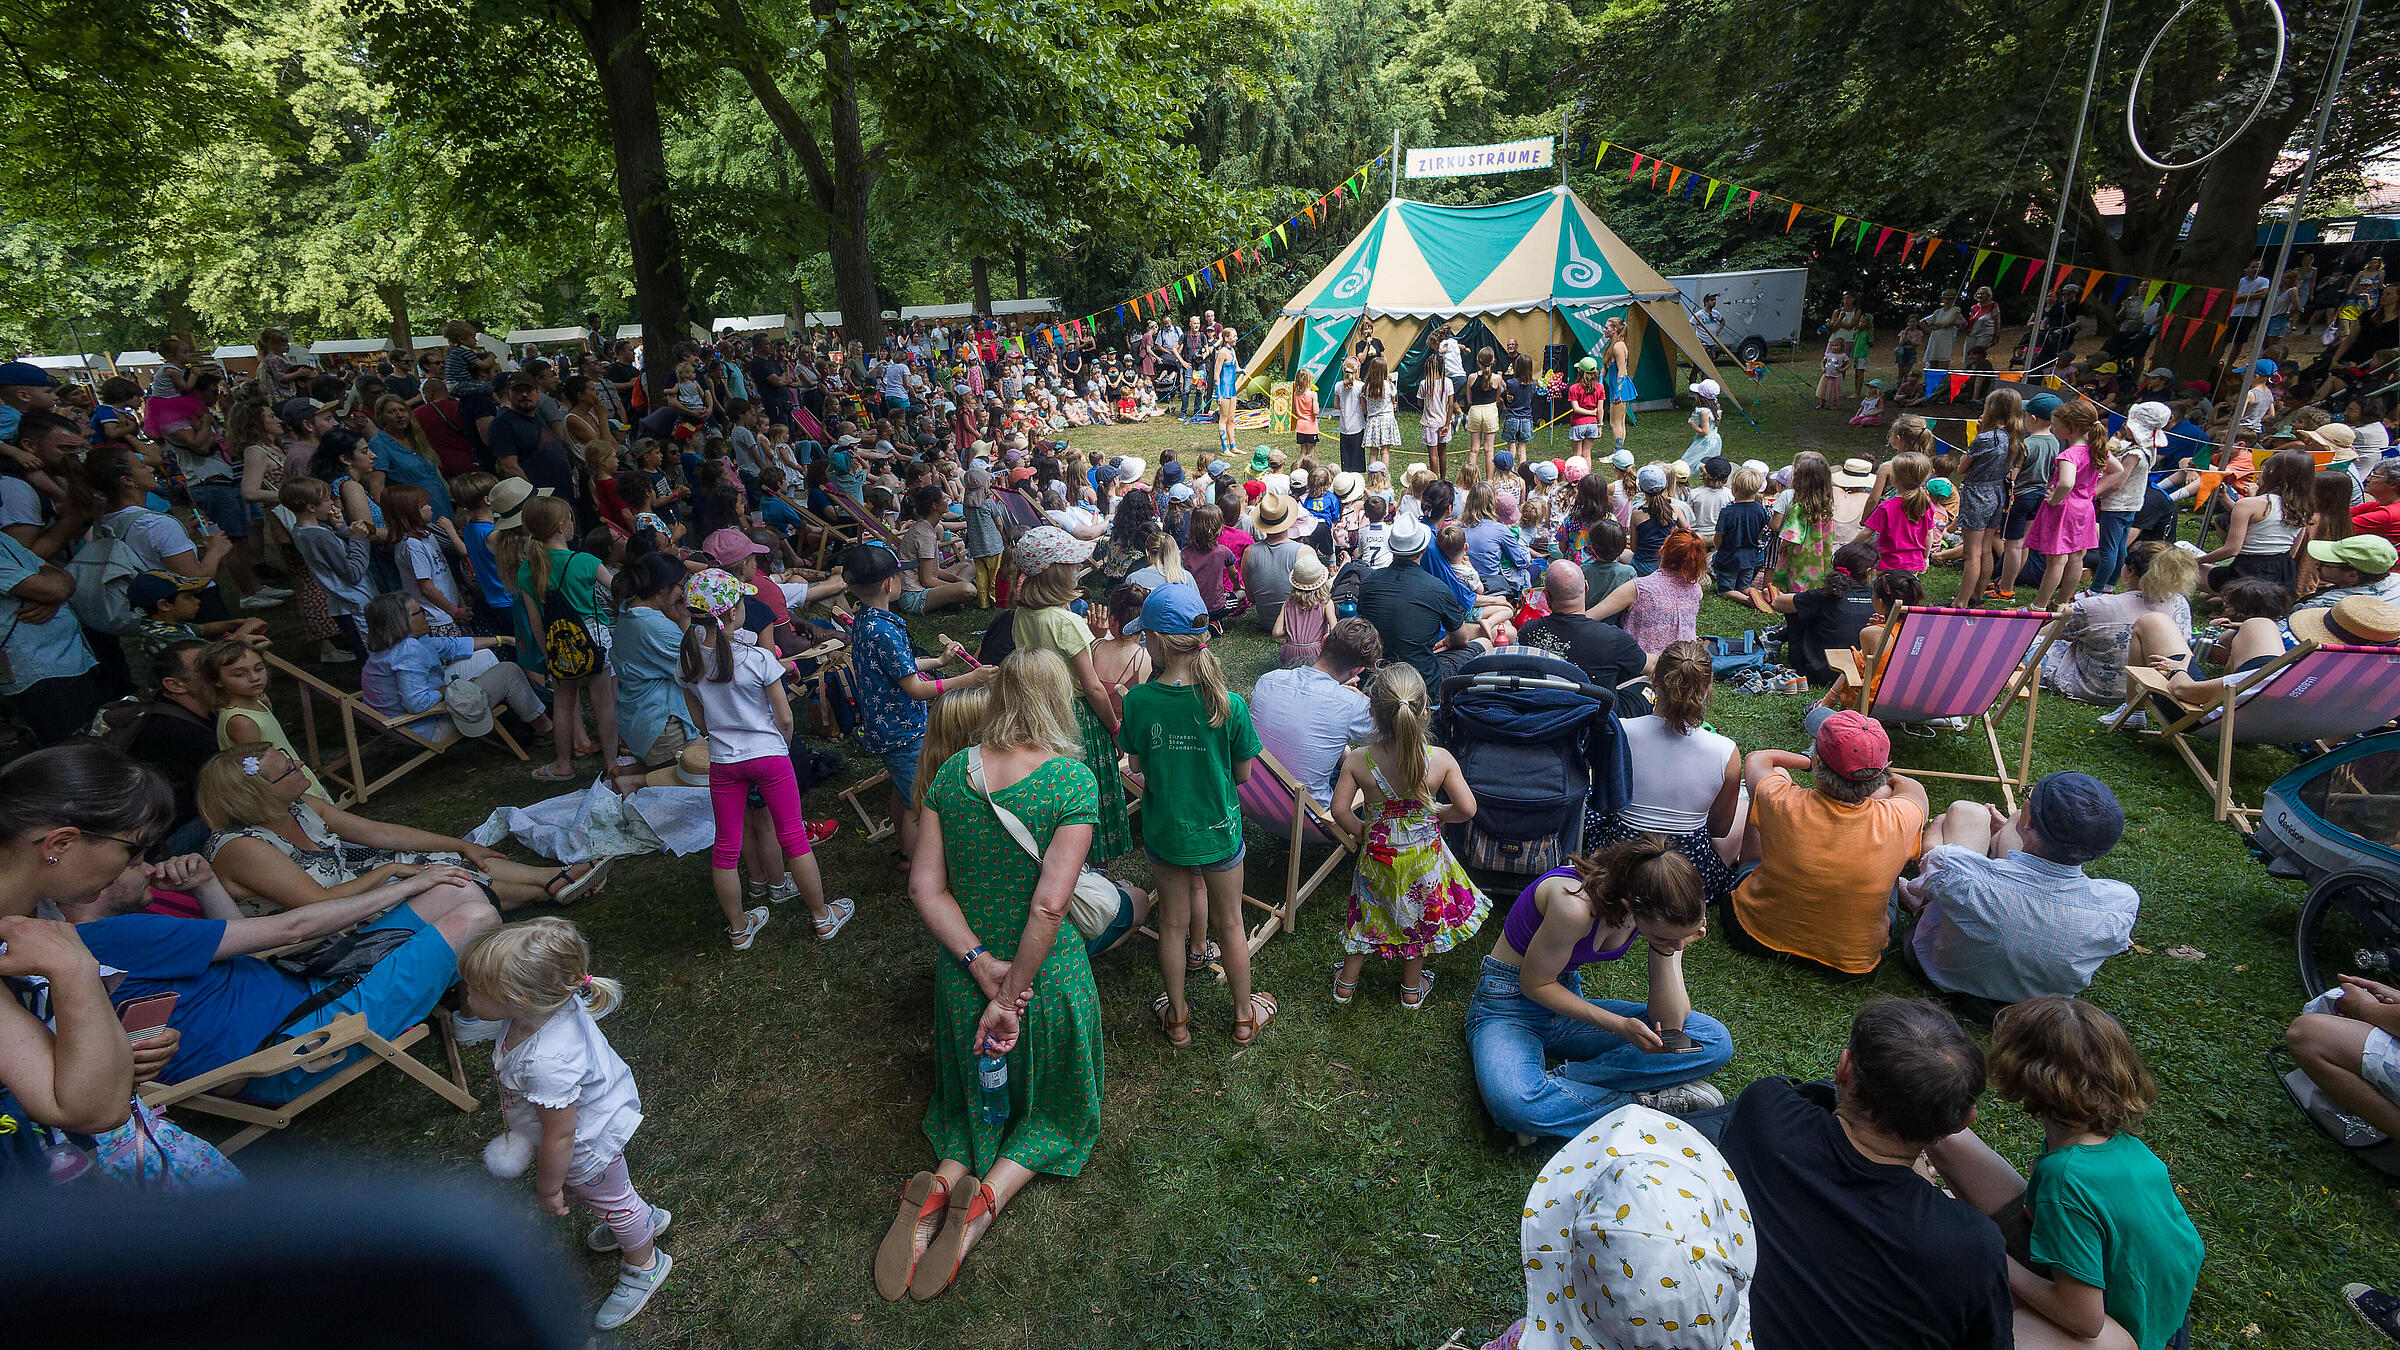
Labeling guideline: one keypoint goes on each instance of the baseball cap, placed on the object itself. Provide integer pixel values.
(1503, 461)
(1047, 545)
(1146, 579)
(1175, 608)
(147, 589)
(2265, 367)
(867, 564)
(2041, 405)
(1717, 466)
(1217, 466)
(469, 707)
(1710, 389)
(1546, 471)
(729, 546)
(1652, 478)
(2369, 553)
(2076, 815)
(1622, 459)
(1409, 537)
(24, 374)
(1181, 492)
(1854, 746)
(2158, 373)
(1939, 487)
(292, 411)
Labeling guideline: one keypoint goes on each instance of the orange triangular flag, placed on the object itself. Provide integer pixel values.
(1787, 220)
(1674, 178)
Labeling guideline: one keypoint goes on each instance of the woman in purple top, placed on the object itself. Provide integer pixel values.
(1529, 1006)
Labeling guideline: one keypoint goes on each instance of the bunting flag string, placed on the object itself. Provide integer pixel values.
(2008, 262)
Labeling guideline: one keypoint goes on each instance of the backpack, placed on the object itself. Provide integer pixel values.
(1347, 584)
(566, 644)
(102, 569)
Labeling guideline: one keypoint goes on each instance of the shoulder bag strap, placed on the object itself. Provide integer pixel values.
(1008, 820)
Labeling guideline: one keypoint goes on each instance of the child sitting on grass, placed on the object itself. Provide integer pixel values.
(2101, 1253)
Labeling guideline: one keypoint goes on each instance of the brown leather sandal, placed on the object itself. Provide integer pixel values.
(1177, 1030)
(896, 1260)
(1262, 1007)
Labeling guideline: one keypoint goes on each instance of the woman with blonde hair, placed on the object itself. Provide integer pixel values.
(2087, 661)
(1016, 986)
(1687, 779)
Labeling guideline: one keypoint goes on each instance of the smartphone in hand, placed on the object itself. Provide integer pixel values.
(1677, 1042)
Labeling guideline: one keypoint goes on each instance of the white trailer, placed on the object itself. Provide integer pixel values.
(1760, 308)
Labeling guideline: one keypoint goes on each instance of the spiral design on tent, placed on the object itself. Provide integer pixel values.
(1353, 283)
(2133, 95)
(1579, 270)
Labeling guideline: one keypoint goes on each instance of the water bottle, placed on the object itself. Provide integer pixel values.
(991, 1071)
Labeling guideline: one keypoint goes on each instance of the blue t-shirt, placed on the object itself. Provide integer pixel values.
(35, 651)
(226, 1007)
(889, 719)
(781, 518)
(402, 464)
(409, 676)
(487, 568)
(644, 652)
(1741, 525)
(1324, 506)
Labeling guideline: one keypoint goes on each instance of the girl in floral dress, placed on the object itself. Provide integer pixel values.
(1411, 898)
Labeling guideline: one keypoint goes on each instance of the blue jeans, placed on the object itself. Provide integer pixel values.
(2114, 526)
(1191, 395)
(1734, 569)
(1513, 1038)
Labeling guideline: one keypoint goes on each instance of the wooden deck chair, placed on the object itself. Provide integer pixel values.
(2313, 693)
(1969, 663)
(323, 1046)
(1276, 802)
(421, 736)
(863, 521)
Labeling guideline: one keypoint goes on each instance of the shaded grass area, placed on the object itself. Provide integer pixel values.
(1338, 1184)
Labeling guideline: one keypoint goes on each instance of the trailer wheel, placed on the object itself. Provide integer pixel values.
(1752, 350)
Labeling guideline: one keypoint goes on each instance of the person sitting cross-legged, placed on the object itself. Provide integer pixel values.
(1828, 853)
(2004, 910)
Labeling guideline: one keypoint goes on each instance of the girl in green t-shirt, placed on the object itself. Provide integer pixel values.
(535, 555)
(2101, 1252)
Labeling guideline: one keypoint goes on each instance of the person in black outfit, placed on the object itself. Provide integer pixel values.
(524, 445)
(1605, 653)
(1855, 1248)
(1829, 618)
(175, 734)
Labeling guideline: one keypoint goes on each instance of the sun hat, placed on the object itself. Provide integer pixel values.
(1274, 512)
(1047, 545)
(1175, 608)
(1349, 488)
(2337, 437)
(1781, 478)
(27, 375)
(1130, 468)
(2146, 424)
(729, 546)
(1258, 460)
(1854, 746)
(1678, 471)
(1708, 389)
(2369, 553)
(2078, 818)
(507, 500)
(469, 707)
(1505, 510)
(1546, 471)
(2352, 621)
(716, 590)
(690, 768)
(1621, 460)
(1854, 473)
(2041, 405)
(1410, 537)
(1652, 478)
(147, 589)
(980, 448)
(1308, 572)
(1758, 464)
(1643, 1191)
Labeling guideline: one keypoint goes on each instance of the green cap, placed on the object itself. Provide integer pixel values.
(2369, 553)
(1258, 460)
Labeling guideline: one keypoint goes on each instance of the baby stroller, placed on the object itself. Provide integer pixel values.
(1535, 741)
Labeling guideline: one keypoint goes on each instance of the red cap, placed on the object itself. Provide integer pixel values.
(1853, 746)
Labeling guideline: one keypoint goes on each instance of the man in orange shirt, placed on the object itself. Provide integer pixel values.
(1828, 854)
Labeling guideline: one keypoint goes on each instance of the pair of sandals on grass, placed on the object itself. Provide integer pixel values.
(1178, 1030)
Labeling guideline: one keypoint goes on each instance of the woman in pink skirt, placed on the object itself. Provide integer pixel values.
(2066, 524)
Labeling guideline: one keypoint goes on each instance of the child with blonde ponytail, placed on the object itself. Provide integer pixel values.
(1411, 899)
(1191, 740)
(570, 1102)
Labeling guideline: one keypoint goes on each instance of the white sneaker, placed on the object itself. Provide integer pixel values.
(632, 1294)
(1947, 723)
(757, 919)
(474, 1030)
(330, 654)
(260, 600)
(2134, 721)
(1683, 1098)
(779, 891)
(603, 1239)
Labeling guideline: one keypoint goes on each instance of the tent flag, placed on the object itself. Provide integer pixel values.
(2150, 292)
(1958, 384)
(1980, 255)
(2124, 284)
(2219, 338)
(1078, 325)
(1674, 178)
(1635, 171)
(2175, 299)
(1881, 239)
(1838, 223)
(1279, 235)
(1929, 248)
(2030, 273)
(2191, 329)
(1727, 208)
(1790, 219)
(2211, 302)
(1310, 212)
(2065, 274)
(1654, 172)
(1753, 205)
(2009, 377)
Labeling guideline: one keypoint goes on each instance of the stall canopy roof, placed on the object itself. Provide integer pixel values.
(70, 362)
(140, 359)
(525, 335)
(351, 347)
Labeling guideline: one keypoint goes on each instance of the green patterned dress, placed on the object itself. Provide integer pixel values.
(1054, 1074)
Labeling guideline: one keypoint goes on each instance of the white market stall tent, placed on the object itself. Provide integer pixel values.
(80, 368)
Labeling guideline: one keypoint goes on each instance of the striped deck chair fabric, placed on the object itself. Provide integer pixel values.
(1939, 662)
(2310, 694)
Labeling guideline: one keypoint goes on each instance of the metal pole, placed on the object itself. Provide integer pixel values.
(2066, 189)
(2291, 218)
(1395, 160)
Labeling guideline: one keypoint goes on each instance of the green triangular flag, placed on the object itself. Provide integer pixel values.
(1179, 292)
(2175, 297)
(1861, 241)
(1727, 208)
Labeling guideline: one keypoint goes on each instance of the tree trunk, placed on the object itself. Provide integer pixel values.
(1019, 252)
(983, 284)
(2225, 228)
(620, 52)
(395, 303)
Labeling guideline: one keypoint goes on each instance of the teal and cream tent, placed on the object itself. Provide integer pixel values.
(1540, 269)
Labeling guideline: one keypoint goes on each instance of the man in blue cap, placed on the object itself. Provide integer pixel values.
(2004, 910)
(24, 387)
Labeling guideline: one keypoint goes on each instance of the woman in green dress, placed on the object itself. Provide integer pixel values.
(1050, 562)
(1011, 982)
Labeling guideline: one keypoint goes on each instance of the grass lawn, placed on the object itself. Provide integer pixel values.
(1339, 1184)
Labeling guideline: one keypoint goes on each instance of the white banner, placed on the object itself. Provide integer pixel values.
(1458, 160)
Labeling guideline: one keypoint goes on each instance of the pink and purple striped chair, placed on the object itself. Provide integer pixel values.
(1276, 803)
(2311, 693)
(1968, 663)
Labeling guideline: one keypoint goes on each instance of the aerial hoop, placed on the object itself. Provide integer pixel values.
(2133, 96)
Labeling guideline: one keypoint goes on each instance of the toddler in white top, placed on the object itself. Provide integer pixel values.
(569, 1100)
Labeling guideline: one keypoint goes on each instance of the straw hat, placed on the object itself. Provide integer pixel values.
(2353, 621)
(689, 771)
(1351, 488)
(1854, 473)
(1309, 572)
(1274, 513)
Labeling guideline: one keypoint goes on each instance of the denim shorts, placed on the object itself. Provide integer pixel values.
(909, 602)
(222, 503)
(1734, 569)
(1117, 928)
(1589, 431)
(1226, 865)
(902, 765)
(1516, 430)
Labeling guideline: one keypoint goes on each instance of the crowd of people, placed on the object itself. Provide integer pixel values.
(637, 578)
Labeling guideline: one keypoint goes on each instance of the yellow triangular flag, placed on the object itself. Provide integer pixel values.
(1838, 223)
